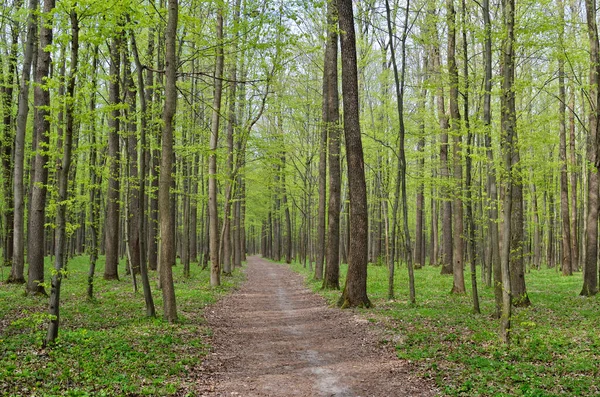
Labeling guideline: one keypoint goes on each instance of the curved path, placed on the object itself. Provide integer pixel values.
(274, 337)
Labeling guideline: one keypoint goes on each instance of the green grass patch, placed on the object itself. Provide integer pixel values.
(556, 342)
(106, 347)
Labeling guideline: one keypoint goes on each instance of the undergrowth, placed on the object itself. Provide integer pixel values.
(106, 347)
(556, 342)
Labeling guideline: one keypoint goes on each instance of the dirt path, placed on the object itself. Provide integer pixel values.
(274, 337)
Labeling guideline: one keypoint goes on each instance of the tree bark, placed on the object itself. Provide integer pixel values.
(331, 115)
(508, 119)
(573, 194)
(469, 166)
(399, 84)
(355, 290)
(215, 270)
(112, 219)
(458, 286)
(36, 274)
(167, 220)
(95, 179)
(590, 273)
(567, 262)
(41, 99)
(492, 192)
(63, 172)
(150, 309)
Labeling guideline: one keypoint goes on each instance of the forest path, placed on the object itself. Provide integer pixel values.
(274, 337)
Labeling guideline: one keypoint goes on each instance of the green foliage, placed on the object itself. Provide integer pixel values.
(556, 346)
(105, 347)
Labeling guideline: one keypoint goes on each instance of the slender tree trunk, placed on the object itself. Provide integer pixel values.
(446, 206)
(12, 147)
(288, 219)
(215, 272)
(508, 119)
(167, 220)
(399, 83)
(36, 274)
(590, 274)
(112, 219)
(469, 166)
(150, 309)
(573, 194)
(134, 217)
(537, 243)
(494, 246)
(95, 179)
(355, 290)
(567, 261)
(63, 173)
(41, 99)
(330, 57)
(331, 117)
(458, 286)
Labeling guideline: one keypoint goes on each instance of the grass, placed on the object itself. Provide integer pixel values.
(556, 342)
(107, 346)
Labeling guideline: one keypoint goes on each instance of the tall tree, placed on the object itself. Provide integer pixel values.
(567, 257)
(41, 100)
(95, 179)
(167, 220)
(150, 309)
(36, 275)
(112, 219)
(399, 84)
(469, 166)
(590, 273)
(508, 119)
(355, 290)
(8, 150)
(331, 116)
(215, 269)
(458, 286)
(493, 253)
(63, 173)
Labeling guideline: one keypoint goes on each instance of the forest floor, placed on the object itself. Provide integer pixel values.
(274, 337)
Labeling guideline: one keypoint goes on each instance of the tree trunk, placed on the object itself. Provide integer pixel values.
(63, 172)
(331, 116)
(469, 161)
(355, 290)
(458, 286)
(492, 192)
(112, 219)
(399, 84)
(573, 196)
(215, 271)
(144, 95)
(567, 262)
(590, 274)
(41, 99)
(508, 144)
(167, 220)
(12, 148)
(95, 179)
(36, 274)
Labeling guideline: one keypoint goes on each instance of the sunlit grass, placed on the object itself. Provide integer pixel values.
(106, 346)
(556, 342)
